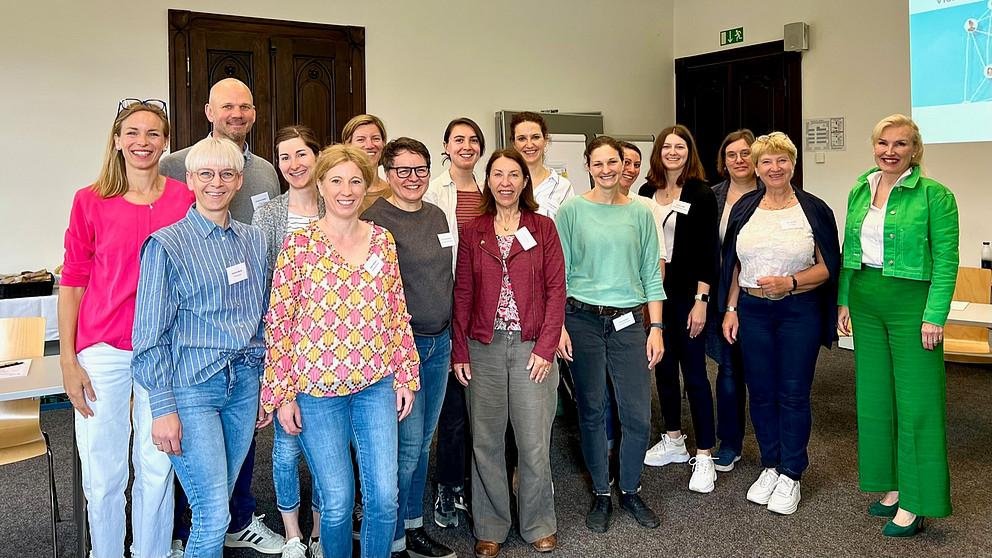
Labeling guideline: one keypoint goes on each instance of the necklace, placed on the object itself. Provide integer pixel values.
(767, 204)
(508, 224)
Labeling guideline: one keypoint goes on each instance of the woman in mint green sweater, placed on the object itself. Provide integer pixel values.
(898, 273)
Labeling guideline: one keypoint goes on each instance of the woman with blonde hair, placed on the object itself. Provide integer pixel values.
(899, 271)
(367, 132)
(107, 225)
(342, 364)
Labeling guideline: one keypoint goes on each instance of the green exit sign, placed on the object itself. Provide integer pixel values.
(731, 36)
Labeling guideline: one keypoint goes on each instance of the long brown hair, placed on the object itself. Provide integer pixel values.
(526, 200)
(693, 169)
(112, 181)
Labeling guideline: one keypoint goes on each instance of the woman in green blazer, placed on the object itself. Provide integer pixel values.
(900, 262)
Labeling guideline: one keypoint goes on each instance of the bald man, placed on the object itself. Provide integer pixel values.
(231, 112)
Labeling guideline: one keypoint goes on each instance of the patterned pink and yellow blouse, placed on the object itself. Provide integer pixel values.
(334, 329)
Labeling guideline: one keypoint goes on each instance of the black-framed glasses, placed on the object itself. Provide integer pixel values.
(207, 175)
(422, 171)
(128, 103)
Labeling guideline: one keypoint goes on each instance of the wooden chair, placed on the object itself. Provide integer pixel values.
(21, 436)
(970, 344)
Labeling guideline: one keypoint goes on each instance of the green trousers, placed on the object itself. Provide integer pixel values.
(901, 393)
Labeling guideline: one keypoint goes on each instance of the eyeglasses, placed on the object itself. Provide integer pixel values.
(404, 172)
(128, 103)
(733, 155)
(226, 176)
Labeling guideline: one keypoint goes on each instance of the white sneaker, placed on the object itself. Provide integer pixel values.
(294, 549)
(316, 551)
(177, 550)
(703, 474)
(785, 498)
(762, 489)
(256, 536)
(667, 451)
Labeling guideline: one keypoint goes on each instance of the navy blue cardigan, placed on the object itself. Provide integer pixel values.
(821, 220)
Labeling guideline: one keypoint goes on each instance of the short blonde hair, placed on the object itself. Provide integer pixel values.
(899, 120)
(339, 153)
(775, 142)
(362, 119)
(218, 152)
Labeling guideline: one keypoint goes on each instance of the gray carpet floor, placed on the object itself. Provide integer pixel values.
(831, 520)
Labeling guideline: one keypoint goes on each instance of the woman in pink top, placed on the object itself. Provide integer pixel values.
(108, 223)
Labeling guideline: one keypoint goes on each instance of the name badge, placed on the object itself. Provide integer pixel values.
(237, 273)
(447, 239)
(791, 224)
(373, 265)
(258, 200)
(525, 238)
(679, 206)
(623, 321)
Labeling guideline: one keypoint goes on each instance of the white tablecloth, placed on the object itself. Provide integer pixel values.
(44, 306)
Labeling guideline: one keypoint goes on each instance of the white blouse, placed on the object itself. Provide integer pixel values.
(774, 243)
(873, 227)
(668, 218)
(656, 212)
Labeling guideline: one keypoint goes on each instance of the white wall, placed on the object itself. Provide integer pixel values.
(66, 64)
(857, 67)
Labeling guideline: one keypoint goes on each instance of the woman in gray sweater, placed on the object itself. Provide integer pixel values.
(296, 150)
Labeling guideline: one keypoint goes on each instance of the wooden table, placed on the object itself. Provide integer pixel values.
(975, 315)
(45, 378)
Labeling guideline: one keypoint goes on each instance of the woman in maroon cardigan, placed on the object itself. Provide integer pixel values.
(508, 314)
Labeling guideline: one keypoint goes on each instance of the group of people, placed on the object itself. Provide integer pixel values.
(363, 313)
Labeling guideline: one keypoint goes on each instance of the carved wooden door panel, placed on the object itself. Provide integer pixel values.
(299, 73)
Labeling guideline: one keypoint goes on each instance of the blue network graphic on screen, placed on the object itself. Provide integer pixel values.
(951, 54)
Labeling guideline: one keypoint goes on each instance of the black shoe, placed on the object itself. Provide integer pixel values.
(356, 522)
(598, 518)
(400, 554)
(420, 545)
(445, 512)
(641, 512)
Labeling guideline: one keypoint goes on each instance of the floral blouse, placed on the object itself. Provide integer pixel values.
(507, 316)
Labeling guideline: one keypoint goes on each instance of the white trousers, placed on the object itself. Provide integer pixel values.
(102, 441)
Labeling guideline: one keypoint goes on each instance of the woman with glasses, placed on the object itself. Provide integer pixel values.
(107, 225)
(423, 247)
(296, 151)
(342, 362)
(611, 271)
(676, 181)
(459, 195)
(367, 132)
(733, 162)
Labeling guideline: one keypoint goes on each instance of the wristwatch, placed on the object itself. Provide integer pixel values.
(703, 297)
(658, 325)
(731, 308)
(795, 283)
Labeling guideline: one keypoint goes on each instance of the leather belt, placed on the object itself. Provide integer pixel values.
(601, 310)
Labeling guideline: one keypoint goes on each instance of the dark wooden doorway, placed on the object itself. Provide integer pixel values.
(757, 87)
(303, 73)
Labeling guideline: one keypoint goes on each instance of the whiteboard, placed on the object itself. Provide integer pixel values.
(566, 155)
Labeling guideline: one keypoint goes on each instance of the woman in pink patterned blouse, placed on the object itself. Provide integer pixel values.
(342, 366)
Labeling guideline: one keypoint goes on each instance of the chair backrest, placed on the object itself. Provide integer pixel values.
(22, 338)
(973, 285)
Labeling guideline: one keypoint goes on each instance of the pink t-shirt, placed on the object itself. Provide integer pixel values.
(102, 249)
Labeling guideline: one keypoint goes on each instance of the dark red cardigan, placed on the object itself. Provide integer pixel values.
(537, 276)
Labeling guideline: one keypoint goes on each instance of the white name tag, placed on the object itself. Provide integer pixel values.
(791, 224)
(237, 273)
(679, 206)
(525, 238)
(258, 200)
(374, 264)
(446, 239)
(623, 321)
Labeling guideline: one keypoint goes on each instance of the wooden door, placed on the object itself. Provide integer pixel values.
(757, 87)
(299, 73)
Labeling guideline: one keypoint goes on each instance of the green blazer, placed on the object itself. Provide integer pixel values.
(920, 238)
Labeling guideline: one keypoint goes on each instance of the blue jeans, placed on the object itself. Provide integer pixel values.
(417, 430)
(331, 426)
(598, 349)
(241, 505)
(731, 398)
(218, 421)
(780, 341)
(286, 453)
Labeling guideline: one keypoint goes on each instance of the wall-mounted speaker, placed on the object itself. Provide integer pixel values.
(796, 36)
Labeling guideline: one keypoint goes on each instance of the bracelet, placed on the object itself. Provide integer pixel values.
(658, 325)
(795, 283)
(702, 297)
(731, 308)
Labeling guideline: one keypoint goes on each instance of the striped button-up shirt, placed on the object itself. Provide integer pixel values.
(201, 299)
